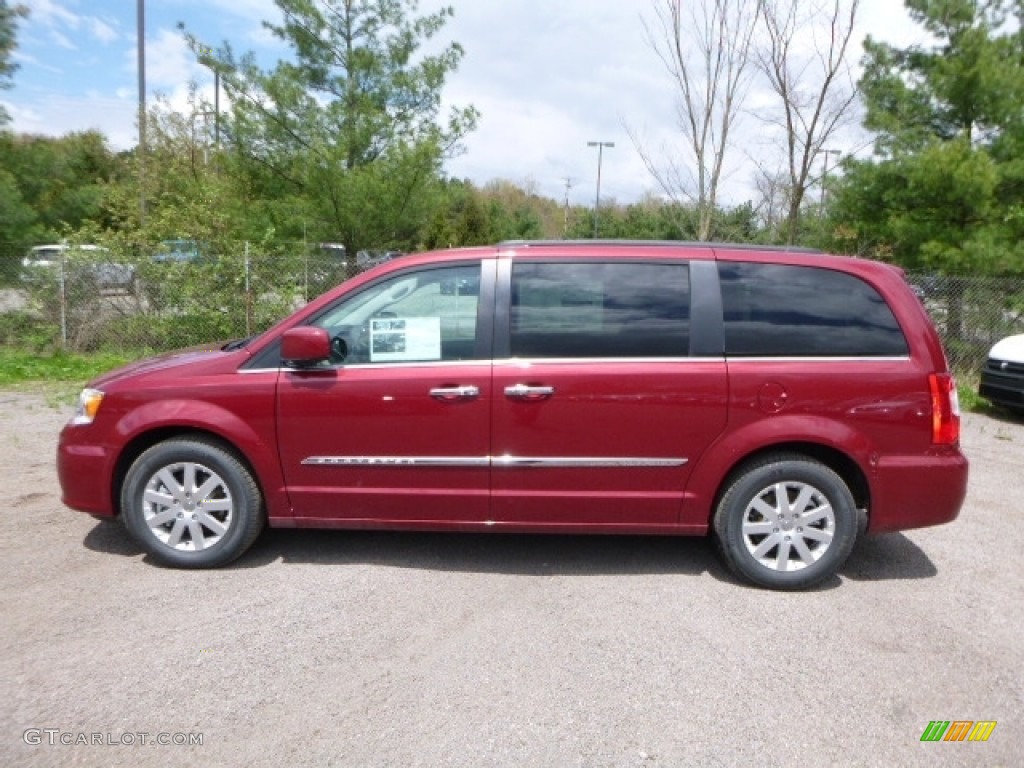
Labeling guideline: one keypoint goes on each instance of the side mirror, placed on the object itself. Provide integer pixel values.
(304, 347)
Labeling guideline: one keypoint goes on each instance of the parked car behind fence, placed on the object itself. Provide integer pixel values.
(78, 263)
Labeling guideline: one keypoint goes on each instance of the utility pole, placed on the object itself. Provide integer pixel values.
(824, 174)
(600, 153)
(565, 225)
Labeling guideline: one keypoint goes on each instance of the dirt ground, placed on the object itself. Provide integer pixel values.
(378, 649)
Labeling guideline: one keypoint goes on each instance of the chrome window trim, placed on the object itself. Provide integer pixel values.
(821, 359)
(489, 461)
(513, 362)
(531, 361)
(372, 366)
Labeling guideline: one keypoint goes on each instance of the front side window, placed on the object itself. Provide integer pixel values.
(774, 310)
(577, 310)
(422, 316)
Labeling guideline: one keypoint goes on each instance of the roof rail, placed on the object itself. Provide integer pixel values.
(657, 243)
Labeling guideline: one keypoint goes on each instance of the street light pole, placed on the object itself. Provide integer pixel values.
(207, 59)
(140, 19)
(600, 153)
(824, 173)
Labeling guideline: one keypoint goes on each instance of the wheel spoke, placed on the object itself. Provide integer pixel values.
(218, 505)
(824, 511)
(782, 557)
(175, 538)
(209, 521)
(765, 509)
(195, 531)
(761, 528)
(816, 534)
(803, 499)
(161, 518)
(171, 483)
(766, 545)
(189, 480)
(802, 549)
(155, 497)
(203, 491)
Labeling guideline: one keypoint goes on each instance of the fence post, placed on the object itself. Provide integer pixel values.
(61, 286)
(248, 294)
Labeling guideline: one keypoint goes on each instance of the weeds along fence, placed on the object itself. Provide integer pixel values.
(87, 299)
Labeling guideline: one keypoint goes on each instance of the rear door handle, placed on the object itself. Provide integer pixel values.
(526, 392)
(451, 394)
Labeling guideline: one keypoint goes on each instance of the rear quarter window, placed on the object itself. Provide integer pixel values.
(774, 310)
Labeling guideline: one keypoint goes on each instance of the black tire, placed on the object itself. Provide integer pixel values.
(787, 546)
(191, 504)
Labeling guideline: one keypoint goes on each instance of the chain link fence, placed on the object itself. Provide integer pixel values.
(183, 294)
(972, 314)
(83, 298)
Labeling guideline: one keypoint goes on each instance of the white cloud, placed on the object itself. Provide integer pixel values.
(169, 61)
(21, 113)
(547, 77)
(55, 116)
(51, 14)
(103, 31)
(59, 21)
(62, 40)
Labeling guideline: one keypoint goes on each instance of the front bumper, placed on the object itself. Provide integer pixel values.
(84, 471)
(1002, 382)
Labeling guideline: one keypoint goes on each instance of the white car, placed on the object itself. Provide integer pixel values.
(1002, 377)
(77, 260)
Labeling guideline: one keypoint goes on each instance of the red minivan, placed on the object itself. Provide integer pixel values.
(782, 400)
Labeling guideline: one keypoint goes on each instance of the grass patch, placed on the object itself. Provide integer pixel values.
(967, 393)
(21, 367)
(970, 400)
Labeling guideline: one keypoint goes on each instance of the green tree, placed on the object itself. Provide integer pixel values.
(460, 218)
(9, 15)
(351, 125)
(60, 180)
(940, 191)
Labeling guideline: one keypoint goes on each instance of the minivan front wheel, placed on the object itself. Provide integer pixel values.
(786, 522)
(191, 504)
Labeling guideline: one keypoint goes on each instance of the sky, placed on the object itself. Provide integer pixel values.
(547, 77)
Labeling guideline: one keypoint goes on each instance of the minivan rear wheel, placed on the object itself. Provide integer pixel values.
(191, 504)
(786, 522)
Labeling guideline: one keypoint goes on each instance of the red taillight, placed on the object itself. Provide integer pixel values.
(945, 409)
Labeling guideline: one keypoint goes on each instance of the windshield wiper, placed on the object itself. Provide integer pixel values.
(231, 346)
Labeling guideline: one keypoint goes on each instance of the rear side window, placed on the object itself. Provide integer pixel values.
(581, 310)
(790, 311)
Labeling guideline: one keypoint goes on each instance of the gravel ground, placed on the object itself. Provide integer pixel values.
(384, 649)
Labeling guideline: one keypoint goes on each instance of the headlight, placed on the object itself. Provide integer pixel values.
(88, 406)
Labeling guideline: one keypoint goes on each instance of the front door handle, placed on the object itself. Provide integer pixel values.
(451, 394)
(526, 392)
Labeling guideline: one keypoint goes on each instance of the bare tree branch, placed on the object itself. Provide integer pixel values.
(705, 46)
(815, 92)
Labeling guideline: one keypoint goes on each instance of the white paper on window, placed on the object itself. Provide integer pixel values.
(405, 339)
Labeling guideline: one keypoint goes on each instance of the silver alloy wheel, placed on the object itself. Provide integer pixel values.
(187, 506)
(788, 526)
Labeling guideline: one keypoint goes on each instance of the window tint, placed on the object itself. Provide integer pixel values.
(413, 317)
(787, 311)
(600, 310)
